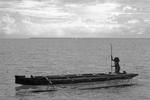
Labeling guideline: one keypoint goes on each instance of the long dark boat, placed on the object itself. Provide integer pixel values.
(70, 78)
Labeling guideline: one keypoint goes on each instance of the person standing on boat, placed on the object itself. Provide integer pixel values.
(116, 64)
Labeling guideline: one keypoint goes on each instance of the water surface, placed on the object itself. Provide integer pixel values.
(69, 56)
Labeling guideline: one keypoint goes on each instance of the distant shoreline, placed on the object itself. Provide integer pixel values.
(73, 38)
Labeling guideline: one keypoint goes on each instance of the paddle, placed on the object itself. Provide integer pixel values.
(111, 56)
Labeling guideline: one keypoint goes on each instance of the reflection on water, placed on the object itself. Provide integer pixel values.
(23, 89)
(81, 91)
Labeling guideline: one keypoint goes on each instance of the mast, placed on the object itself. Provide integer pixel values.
(111, 57)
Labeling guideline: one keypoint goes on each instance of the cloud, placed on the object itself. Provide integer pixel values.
(134, 21)
(129, 8)
(7, 24)
(71, 18)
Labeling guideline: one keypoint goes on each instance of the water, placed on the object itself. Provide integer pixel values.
(65, 56)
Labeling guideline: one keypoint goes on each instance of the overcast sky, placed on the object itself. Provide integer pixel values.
(74, 18)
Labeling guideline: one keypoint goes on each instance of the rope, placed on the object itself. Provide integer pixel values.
(50, 82)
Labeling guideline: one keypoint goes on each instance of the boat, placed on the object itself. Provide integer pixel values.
(71, 78)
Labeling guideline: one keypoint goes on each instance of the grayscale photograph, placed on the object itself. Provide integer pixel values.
(74, 49)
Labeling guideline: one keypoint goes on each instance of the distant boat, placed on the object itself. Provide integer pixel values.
(70, 78)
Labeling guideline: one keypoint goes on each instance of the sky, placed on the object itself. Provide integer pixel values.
(74, 18)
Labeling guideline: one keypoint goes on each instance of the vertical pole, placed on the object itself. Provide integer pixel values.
(111, 56)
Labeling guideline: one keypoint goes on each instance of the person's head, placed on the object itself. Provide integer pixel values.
(116, 59)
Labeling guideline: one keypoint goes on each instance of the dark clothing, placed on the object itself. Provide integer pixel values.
(117, 68)
(116, 64)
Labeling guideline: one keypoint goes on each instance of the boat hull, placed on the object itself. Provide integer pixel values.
(70, 79)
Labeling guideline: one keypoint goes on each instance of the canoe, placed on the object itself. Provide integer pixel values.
(70, 78)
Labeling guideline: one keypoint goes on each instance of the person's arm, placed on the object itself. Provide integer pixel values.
(113, 66)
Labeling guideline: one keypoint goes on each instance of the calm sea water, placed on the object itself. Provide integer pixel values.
(65, 56)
